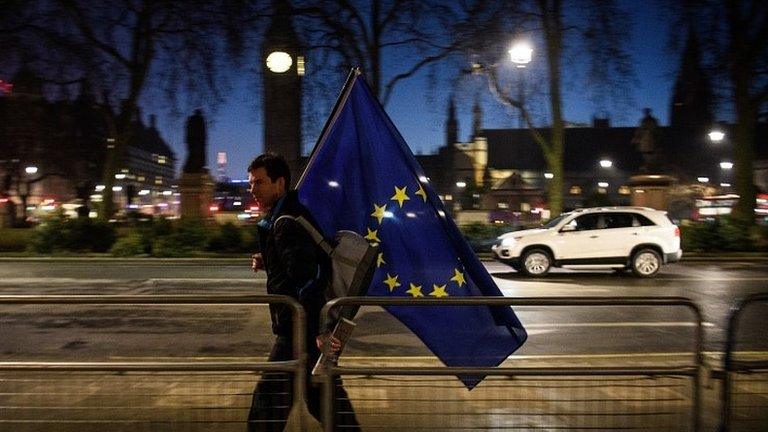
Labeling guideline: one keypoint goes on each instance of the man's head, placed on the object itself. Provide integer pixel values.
(269, 177)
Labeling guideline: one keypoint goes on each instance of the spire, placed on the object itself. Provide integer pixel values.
(692, 95)
(452, 125)
(477, 119)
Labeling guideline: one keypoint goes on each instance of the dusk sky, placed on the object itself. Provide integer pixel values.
(420, 116)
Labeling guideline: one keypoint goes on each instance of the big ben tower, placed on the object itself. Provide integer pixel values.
(283, 62)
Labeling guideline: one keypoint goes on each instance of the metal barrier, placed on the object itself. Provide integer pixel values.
(607, 398)
(160, 387)
(744, 402)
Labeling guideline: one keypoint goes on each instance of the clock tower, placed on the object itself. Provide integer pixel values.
(283, 65)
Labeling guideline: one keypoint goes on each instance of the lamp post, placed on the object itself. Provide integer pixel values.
(25, 191)
(521, 54)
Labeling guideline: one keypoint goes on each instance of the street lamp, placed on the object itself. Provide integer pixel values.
(30, 170)
(521, 53)
(606, 163)
(726, 165)
(716, 136)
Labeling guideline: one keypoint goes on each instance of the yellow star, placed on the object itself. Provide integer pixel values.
(391, 282)
(458, 277)
(378, 212)
(415, 290)
(373, 235)
(421, 192)
(438, 291)
(380, 260)
(400, 195)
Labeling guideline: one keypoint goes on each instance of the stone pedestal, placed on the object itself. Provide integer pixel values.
(651, 190)
(196, 191)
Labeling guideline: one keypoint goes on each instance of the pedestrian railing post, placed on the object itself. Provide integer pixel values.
(726, 396)
(693, 372)
(297, 367)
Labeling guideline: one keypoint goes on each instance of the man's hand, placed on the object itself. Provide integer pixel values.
(335, 343)
(257, 262)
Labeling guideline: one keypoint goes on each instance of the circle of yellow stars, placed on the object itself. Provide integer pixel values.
(392, 280)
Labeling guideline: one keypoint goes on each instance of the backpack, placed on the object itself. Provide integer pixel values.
(353, 262)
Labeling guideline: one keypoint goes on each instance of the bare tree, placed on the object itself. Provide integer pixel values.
(737, 53)
(348, 33)
(599, 28)
(123, 47)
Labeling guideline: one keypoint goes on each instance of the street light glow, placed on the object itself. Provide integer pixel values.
(30, 170)
(605, 163)
(549, 175)
(461, 184)
(602, 184)
(726, 165)
(716, 136)
(703, 179)
(521, 53)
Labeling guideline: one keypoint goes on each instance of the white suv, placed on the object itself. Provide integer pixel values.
(637, 238)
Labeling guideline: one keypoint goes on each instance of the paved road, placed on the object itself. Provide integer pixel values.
(110, 332)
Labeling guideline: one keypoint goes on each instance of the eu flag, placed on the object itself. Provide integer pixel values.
(362, 177)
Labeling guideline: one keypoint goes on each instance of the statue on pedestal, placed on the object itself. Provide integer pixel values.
(645, 140)
(195, 185)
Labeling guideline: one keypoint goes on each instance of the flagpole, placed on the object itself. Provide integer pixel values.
(353, 74)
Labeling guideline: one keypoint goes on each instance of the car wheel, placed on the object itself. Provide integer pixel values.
(646, 263)
(536, 263)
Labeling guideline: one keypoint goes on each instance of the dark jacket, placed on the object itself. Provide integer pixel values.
(295, 265)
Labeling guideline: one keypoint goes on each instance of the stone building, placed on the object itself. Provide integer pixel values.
(53, 151)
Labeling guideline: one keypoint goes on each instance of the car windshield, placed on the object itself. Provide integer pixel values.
(555, 221)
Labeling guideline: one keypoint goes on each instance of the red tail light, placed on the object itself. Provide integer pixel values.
(677, 231)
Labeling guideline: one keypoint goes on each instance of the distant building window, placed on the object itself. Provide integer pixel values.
(525, 207)
(161, 159)
(159, 180)
(602, 190)
(575, 190)
(503, 205)
(624, 190)
(140, 178)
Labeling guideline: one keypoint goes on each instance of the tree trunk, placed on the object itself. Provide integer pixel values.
(742, 77)
(552, 20)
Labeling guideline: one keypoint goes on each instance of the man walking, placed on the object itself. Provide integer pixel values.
(298, 268)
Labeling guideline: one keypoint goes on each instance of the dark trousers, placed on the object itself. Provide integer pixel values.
(273, 395)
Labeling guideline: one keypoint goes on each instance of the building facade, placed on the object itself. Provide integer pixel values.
(52, 153)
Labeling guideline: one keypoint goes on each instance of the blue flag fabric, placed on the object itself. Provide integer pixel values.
(363, 177)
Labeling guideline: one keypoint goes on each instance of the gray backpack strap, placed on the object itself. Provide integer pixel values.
(316, 235)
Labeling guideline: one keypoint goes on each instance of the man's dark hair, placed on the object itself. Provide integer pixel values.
(275, 165)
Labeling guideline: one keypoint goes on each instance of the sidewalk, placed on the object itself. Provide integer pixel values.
(219, 401)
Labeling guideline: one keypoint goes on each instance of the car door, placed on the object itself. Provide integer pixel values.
(620, 234)
(581, 239)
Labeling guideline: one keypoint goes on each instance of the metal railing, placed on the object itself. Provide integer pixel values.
(744, 403)
(522, 398)
(160, 385)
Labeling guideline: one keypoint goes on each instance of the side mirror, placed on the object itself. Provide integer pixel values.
(568, 228)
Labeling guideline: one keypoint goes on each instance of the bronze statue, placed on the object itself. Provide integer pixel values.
(645, 139)
(195, 139)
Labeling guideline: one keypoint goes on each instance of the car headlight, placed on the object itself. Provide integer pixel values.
(509, 241)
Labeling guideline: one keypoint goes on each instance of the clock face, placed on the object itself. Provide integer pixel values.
(279, 61)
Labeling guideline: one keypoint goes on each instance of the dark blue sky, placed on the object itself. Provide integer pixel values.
(420, 116)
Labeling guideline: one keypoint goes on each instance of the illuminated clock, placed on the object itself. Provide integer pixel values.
(279, 61)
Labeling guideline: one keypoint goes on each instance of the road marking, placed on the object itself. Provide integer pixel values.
(618, 324)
